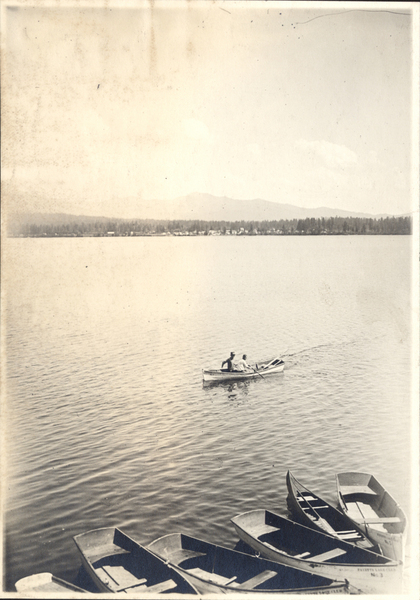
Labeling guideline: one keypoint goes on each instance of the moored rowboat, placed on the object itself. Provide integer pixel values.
(214, 569)
(274, 365)
(311, 510)
(368, 505)
(295, 545)
(116, 563)
(46, 583)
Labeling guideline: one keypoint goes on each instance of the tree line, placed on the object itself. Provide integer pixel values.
(308, 226)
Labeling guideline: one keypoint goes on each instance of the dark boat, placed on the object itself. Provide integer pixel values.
(296, 545)
(214, 569)
(311, 510)
(116, 563)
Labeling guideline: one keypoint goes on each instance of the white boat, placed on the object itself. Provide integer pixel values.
(366, 502)
(46, 583)
(261, 369)
(295, 545)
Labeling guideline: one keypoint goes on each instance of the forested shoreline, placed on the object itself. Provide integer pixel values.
(147, 227)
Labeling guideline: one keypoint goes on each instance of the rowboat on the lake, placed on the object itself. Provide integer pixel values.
(311, 510)
(366, 502)
(46, 583)
(296, 545)
(116, 563)
(261, 369)
(214, 569)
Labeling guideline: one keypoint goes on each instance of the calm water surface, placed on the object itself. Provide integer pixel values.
(108, 422)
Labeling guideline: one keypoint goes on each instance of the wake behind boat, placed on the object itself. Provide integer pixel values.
(261, 369)
(295, 545)
(214, 569)
(368, 505)
(116, 563)
(311, 510)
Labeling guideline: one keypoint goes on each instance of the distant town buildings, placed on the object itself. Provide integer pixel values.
(133, 228)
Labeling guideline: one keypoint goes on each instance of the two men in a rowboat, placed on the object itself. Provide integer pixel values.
(241, 365)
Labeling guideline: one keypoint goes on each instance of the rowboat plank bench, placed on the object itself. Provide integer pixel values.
(122, 578)
(250, 584)
(328, 555)
(127, 581)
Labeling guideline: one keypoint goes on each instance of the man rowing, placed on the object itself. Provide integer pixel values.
(242, 365)
(229, 362)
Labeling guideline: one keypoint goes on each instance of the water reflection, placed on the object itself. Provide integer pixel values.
(230, 386)
(233, 391)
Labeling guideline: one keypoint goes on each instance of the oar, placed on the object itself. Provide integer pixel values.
(258, 373)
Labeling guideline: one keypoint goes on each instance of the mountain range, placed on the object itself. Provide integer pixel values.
(205, 207)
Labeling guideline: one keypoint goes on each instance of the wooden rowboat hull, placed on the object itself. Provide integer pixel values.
(46, 583)
(367, 504)
(264, 368)
(295, 545)
(312, 511)
(116, 563)
(214, 569)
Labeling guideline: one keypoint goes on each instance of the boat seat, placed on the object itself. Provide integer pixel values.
(303, 555)
(305, 497)
(328, 555)
(350, 536)
(347, 535)
(346, 531)
(252, 583)
(211, 577)
(122, 578)
(163, 586)
(106, 578)
(312, 508)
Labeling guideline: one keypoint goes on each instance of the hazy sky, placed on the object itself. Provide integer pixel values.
(106, 108)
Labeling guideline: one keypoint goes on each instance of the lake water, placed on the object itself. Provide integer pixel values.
(108, 422)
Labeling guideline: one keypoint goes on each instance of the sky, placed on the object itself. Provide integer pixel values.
(110, 105)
